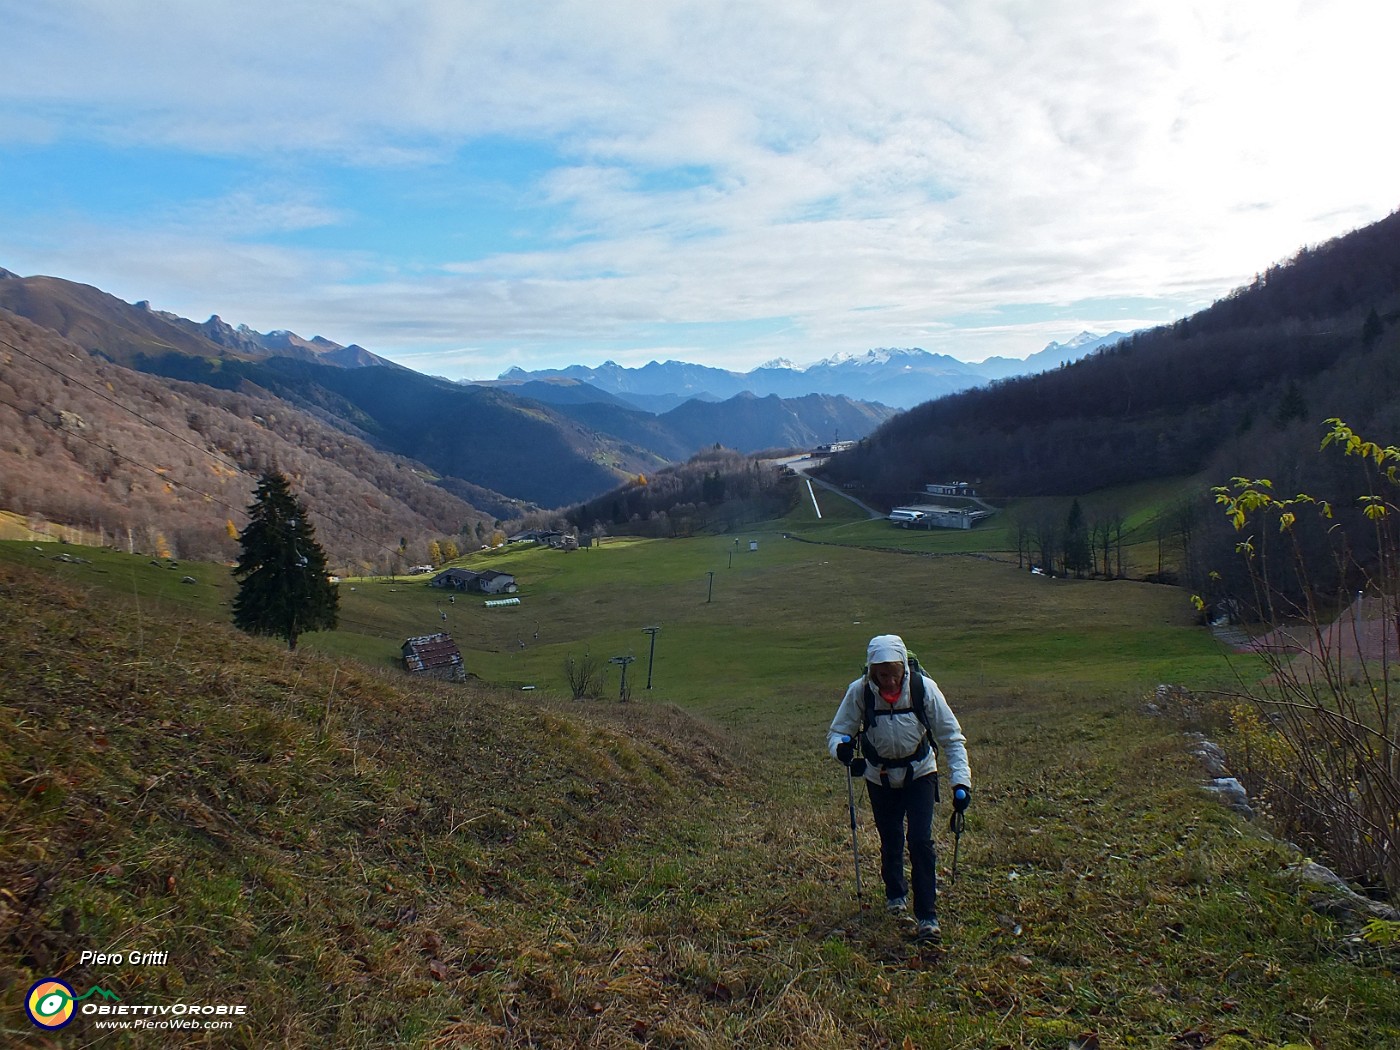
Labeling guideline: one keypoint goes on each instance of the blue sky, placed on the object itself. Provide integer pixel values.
(465, 186)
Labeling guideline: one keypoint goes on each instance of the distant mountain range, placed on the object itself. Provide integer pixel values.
(139, 419)
(503, 449)
(899, 378)
(279, 343)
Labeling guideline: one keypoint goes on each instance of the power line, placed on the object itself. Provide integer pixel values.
(126, 408)
(371, 540)
(126, 459)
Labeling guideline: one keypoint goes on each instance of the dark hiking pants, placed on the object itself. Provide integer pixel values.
(892, 808)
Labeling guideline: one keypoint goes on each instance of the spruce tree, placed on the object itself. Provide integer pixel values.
(283, 587)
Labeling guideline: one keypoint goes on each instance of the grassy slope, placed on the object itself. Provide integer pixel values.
(16, 527)
(806, 605)
(303, 837)
(605, 874)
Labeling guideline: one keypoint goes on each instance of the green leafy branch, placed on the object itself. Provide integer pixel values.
(1385, 457)
(1245, 498)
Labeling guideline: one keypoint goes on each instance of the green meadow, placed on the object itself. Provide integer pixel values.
(367, 860)
(794, 610)
(794, 600)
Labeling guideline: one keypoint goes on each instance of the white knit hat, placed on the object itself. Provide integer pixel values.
(887, 648)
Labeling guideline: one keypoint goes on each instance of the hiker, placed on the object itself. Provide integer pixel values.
(879, 731)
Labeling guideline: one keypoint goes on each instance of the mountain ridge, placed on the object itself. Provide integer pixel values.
(89, 317)
(505, 451)
(897, 377)
(154, 464)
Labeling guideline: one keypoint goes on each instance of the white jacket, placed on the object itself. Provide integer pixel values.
(900, 734)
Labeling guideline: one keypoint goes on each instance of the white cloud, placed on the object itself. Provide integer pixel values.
(857, 175)
(246, 212)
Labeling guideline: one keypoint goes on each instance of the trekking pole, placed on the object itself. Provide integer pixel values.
(956, 827)
(855, 848)
(962, 795)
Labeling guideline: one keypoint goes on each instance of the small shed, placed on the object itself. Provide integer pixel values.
(434, 655)
(493, 582)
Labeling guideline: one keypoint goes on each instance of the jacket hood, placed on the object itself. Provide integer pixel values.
(886, 648)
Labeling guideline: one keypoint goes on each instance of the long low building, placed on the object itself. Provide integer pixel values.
(930, 516)
(487, 582)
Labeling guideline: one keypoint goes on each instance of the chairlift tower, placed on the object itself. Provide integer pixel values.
(651, 656)
(622, 661)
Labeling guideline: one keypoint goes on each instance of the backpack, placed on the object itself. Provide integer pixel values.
(918, 697)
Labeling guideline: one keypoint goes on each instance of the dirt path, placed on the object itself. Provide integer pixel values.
(1363, 632)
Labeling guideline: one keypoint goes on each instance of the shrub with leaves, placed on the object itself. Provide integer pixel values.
(1320, 736)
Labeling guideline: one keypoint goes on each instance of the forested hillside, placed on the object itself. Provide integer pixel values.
(489, 437)
(1241, 388)
(1308, 339)
(717, 490)
(168, 468)
(750, 423)
(744, 422)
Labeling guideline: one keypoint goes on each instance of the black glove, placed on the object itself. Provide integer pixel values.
(858, 766)
(962, 797)
(845, 751)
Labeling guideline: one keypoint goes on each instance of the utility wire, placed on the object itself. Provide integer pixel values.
(173, 481)
(125, 459)
(373, 541)
(126, 408)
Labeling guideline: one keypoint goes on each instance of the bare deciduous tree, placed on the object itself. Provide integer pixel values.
(584, 674)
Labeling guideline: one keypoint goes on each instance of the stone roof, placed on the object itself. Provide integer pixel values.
(431, 652)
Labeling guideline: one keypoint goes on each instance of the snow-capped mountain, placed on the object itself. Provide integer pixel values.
(873, 358)
(1052, 356)
(893, 376)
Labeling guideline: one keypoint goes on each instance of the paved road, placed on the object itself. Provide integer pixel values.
(801, 464)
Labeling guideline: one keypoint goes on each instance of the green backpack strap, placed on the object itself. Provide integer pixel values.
(918, 699)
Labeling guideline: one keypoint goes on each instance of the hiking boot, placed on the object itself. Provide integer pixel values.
(897, 905)
(928, 931)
